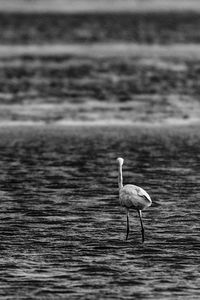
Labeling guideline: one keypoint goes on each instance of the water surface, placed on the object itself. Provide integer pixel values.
(62, 231)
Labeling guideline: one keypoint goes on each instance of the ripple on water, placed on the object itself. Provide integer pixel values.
(63, 232)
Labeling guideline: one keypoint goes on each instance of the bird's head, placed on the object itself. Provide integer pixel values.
(120, 160)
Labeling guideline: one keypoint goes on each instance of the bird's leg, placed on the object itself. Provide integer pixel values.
(127, 228)
(142, 227)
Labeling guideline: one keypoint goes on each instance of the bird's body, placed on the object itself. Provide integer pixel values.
(132, 197)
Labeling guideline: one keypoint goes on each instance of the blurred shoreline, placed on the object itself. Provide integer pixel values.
(131, 87)
(102, 123)
(100, 68)
(95, 50)
(77, 6)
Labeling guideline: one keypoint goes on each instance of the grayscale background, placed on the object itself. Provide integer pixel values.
(83, 82)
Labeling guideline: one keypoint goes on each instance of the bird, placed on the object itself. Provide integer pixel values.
(132, 197)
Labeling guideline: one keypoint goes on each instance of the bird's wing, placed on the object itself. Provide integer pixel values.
(132, 196)
(142, 193)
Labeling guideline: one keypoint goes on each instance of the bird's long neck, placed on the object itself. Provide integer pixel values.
(120, 177)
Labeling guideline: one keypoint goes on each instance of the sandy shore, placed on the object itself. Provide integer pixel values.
(181, 51)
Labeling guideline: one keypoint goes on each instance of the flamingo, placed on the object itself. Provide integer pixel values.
(132, 196)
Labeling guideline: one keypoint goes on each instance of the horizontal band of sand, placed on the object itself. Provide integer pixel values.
(103, 123)
(96, 112)
(189, 51)
(71, 6)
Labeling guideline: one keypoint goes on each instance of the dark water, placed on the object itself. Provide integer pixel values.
(150, 28)
(62, 231)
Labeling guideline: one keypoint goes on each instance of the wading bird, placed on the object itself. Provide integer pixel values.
(132, 196)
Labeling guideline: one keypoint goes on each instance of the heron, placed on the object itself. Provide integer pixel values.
(132, 197)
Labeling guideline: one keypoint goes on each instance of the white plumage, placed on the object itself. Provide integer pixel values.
(132, 196)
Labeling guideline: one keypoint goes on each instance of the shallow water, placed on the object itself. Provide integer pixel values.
(62, 231)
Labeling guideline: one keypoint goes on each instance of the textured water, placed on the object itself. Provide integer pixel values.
(146, 28)
(62, 231)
